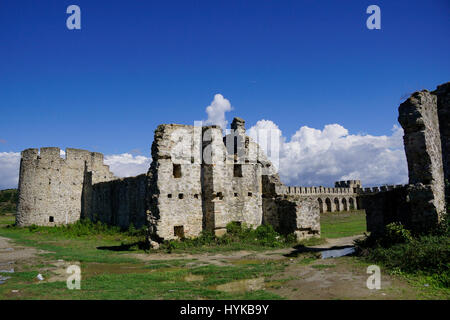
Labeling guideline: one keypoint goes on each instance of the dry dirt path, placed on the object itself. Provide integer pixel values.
(12, 254)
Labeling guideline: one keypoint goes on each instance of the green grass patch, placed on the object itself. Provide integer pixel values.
(107, 273)
(342, 224)
(168, 282)
(93, 243)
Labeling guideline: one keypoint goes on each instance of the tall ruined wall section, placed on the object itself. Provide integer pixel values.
(195, 183)
(443, 105)
(244, 170)
(51, 188)
(174, 197)
(419, 205)
(419, 118)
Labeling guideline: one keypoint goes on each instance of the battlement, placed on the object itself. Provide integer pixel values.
(348, 184)
(77, 157)
(51, 185)
(382, 189)
(289, 190)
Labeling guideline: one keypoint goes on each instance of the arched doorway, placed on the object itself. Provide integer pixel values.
(337, 205)
(351, 203)
(328, 203)
(320, 205)
(344, 204)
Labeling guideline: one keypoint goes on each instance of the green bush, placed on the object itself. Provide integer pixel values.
(396, 233)
(237, 234)
(396, 249)
(8, 201)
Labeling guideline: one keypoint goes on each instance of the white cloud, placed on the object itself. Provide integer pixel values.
(9, 169)
(320, 157)
(122, 165)
(127, 165)
(310, 157)
(216, 111)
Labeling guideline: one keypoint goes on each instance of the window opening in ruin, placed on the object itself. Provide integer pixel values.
(169, 196)
(237, 170)
(235, 194)
(196, 196)
(51, 219)
(180, 196)
(249, 194)
(177, 170)
(219, 195)
(178, 231)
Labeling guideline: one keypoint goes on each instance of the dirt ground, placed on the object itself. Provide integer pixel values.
(328, 279)
(333, 278)
(12, 254)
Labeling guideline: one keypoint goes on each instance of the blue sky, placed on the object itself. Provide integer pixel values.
(136, 64)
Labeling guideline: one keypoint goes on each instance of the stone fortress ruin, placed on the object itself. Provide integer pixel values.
(200, 179)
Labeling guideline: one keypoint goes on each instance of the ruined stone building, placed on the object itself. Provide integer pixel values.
(201, 180)
(198, 180)
(420, 204)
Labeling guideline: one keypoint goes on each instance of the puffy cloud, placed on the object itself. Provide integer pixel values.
(216, 111)
(9, 169)
(310, 157)
(127, 165)
(320, 157)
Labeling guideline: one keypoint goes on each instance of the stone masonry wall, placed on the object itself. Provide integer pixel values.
(50, 187)
(443, 105)
(119, 202)
(420, 205)
(174, 197)
(419, 118)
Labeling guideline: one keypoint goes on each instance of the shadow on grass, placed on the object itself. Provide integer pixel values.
(141, 245)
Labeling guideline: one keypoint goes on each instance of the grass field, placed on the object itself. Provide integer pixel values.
(111, 268)
(110, 272)
(342, 224)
